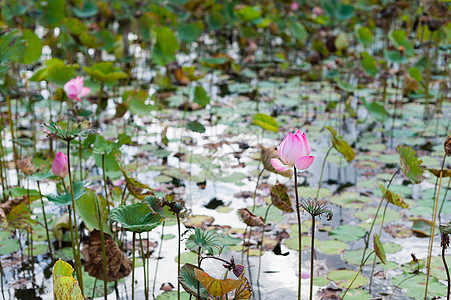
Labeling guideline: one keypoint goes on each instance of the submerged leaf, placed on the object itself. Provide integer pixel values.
(379, 248)
(410, 164)
(216, 287)
(341, 145)
(280, 197)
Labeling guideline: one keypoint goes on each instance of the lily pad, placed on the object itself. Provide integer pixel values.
(347, 233)
(344, 277)
(137, 217)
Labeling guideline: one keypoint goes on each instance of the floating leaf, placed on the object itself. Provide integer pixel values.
(379, 249)
(393, 198)
(137, 217)
(266, 155)
(280, 197)
(347, 233)
(410, 164)
(422, 227)
(341, 145)
(344, 277)
(216, 287)
(251, 219)
(65, 287)
(266, 122)
(190, 283)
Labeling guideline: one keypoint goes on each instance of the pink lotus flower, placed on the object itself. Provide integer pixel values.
(60, 166)
(293, 151)
(75, 90)
(294, 6)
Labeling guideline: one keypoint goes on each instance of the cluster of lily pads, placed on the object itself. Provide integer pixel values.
(116, 113)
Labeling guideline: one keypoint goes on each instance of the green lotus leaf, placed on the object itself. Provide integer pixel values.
(190, 283)
(66, 199)
(137, 217)
(410, 164)
(105, 72)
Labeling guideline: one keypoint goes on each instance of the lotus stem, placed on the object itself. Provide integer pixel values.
(105, 183)
(158, 259)
(443, 201)
(321, 175)
(144, 265)
(298, 213)
(11, 128)
(374, 259)
(261, 245)
(431, 242)
(133, 267)
(102, 240)
(444, 246)
(77, 258)
(45, 222)
(355, 277)
(375, 217)
(80, 158)
(178, 256)
(312, 257)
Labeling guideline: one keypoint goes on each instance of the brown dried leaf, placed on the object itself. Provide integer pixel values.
(251, 219)
(26, 166)
(266, 155)
(280, 198)
(117, 264)
(436, 172)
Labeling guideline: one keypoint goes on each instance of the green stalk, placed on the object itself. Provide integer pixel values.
(261, 246)
(374, 219)
(431, 243)
(80, 159)
(312, 256)
(321, 175)
(133, 268)
(104, 183)
(74, 251)
(78, 261)
(298, 213)
(178, 256)
(144, 266)
(443, 201)
(355, 277)
(158, 260)
(11, 128)
(102, 241)
(45, 223)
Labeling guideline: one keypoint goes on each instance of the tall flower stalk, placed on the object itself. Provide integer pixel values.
(294, 152)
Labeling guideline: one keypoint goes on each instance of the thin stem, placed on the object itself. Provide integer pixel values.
(433, 229)
(78, 261)
(178, 256)
(80, 159)
(133, 268)
(45, 223)
(158, 259)
(102, 240)
(447, 271)
(144, 265)
(321, 175)
(256, 187)
(355, 277)
(443, 201)
(105, 183)
(298, 213)
(11, 128)
(375, 217)
(312, 255)
(261, 245)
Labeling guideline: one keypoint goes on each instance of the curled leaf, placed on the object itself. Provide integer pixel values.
(393, 198)
(436, 172)
(244, 290)
(266, 155)
(410, 164)
(64, 285)
(341, 145)
(251, 219)
(216, 287)
(379, 248)
(280, 198)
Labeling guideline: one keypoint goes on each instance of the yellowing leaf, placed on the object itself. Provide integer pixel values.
(216, 287)
(393, 198)
(379, 249)
(65, 287)
(243, 291)
(410, 164)
(341, 145)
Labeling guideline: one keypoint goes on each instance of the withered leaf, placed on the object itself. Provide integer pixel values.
(251, 219)
(436, 172)
(266, 155)
(280, 198)
(117, 264)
